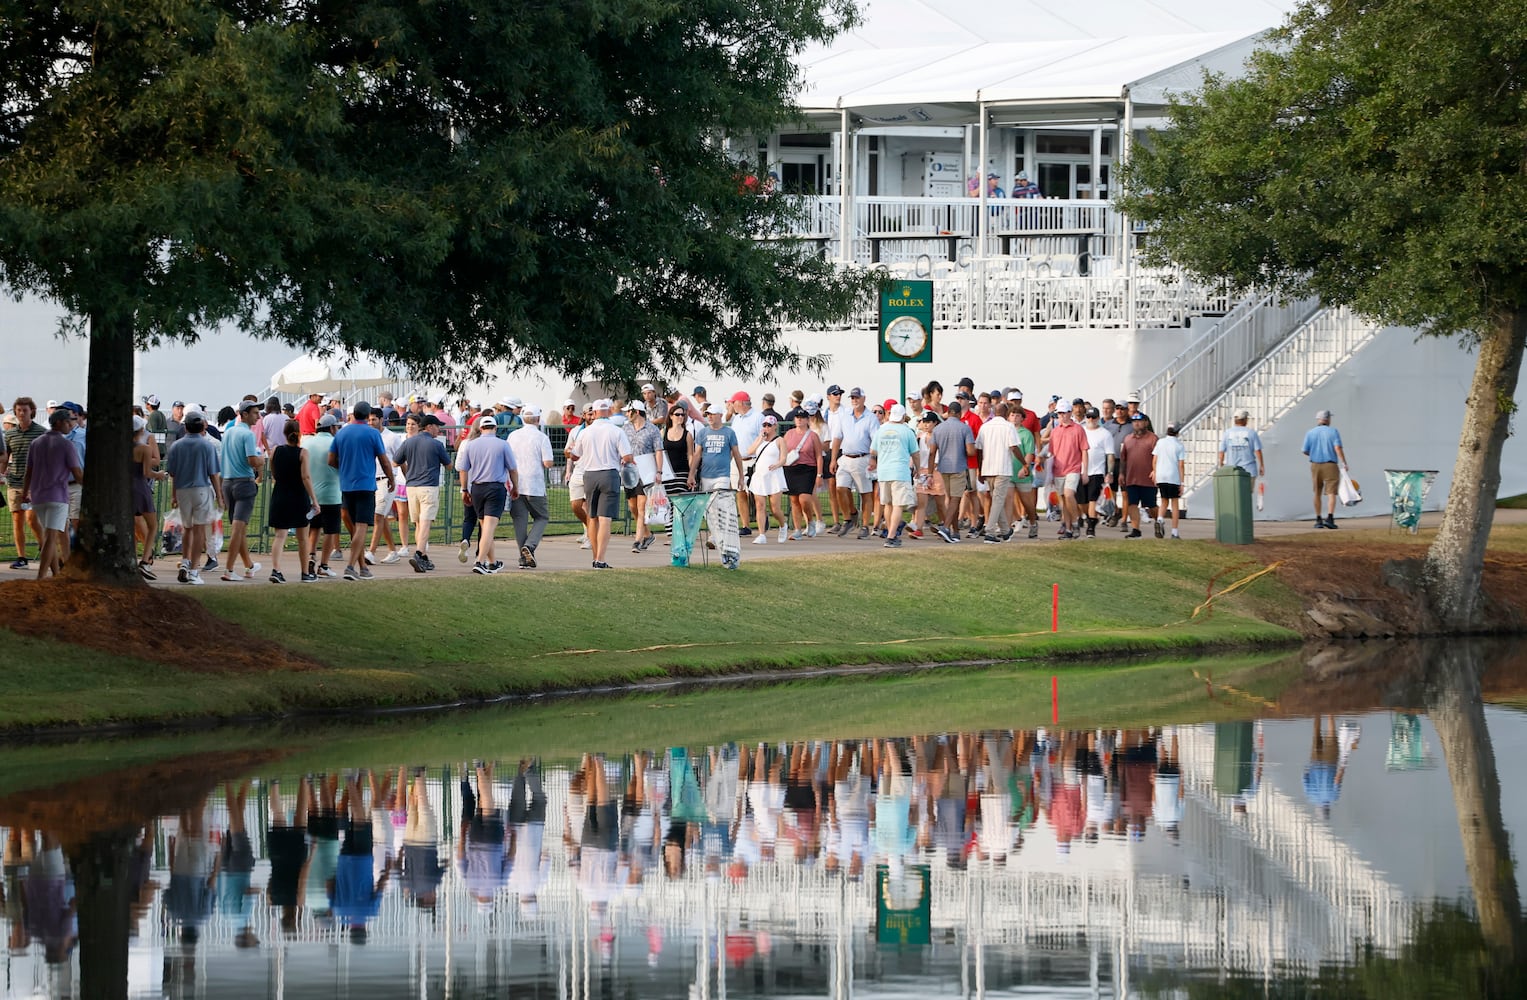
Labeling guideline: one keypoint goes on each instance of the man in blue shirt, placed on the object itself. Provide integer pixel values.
(356, 452)
(715, 455)
(1322, 443)
(242, 463)
(891, 461)
(851, 463)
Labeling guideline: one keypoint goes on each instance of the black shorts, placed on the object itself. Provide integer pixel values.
(489, 499)
(603, 490)
(601, 826)
(1169, 491)
(328, 520)
(800, 479)
(632, 492)
(360, 505)
(1141, 496)
(287, 848)
(323, 825)
(357, 839)
(1090, 490)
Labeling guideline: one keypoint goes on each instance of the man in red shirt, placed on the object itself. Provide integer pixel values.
(1068, 448)
(308, 414)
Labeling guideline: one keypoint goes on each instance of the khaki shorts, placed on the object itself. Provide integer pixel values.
(13, 499)
(897, 493)
(197, 505)
(854, 473)
(955, 483)
(1326, 477)
(423, 503)
(75, 489)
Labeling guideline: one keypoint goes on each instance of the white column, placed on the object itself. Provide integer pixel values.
(846, 153)
(1126, 237)
(983, 225)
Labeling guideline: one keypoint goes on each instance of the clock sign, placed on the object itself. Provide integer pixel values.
(906, 322)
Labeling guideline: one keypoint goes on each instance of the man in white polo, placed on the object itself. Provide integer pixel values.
(602, 449)
(747, 425)
(532, 455)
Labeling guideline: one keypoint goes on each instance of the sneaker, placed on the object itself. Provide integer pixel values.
(1064, 534)
(647, 542)
(817, 527)
(23, 563)
(528, 556)
(146, 571)
(710, 545)
(761, 540)
(370, 557)
(310, 578)
(481, 569)
(1320, 522)
(365, 573)
(1331, 521)
(1160, 530)
(392, 557)
(1033, 529)
(249, 574)
(583, 542)
(193, 577)
(429, 563)
(210, 566)
(744, 531)
(1007, 535)
(231, 577)
(276, 577)
(864, 532)
(991, 540)
(496, 565)
(326, 571)
(183, 573)
(731, 561)
(602, 565)
(893, 543)
(1175, 534)
(312, 567)
(1133, 533)
(914, 533)
(461, 552)
(417, 562)
(1092, 530)
(636, 547)
(943, 533)
(782, 535)
(350, 573)
(796, 536)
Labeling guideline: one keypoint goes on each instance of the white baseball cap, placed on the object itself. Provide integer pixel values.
(637, 405)
(896, 414)
(717, 409)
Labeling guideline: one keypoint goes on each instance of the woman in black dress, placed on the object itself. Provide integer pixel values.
(292, 503)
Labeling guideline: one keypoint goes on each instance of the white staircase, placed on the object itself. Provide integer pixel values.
(1292, 369)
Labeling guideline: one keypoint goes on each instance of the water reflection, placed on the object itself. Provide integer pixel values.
(1209, 859)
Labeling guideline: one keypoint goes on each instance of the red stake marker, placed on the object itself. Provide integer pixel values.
(1055, 609)
(1054, 700)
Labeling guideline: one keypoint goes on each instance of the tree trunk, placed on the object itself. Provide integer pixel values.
(1455, 561)
(106, 551)
(1457, 711)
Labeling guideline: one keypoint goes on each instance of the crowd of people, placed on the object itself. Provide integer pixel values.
(977, 465)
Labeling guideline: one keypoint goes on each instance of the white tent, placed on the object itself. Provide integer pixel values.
(343, 376)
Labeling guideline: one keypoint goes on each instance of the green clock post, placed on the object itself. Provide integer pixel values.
(906, 325)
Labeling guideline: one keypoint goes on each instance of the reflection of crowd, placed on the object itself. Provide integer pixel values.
(335, 846)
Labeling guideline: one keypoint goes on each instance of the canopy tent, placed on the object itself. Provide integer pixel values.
(332, 375)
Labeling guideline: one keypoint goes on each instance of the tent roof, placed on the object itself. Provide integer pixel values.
(934, 61)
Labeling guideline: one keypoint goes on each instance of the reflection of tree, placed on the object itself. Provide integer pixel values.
(104, 893)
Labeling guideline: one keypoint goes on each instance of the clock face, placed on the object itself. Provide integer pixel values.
(905, 336)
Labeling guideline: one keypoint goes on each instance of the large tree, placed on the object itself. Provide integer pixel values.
(453, 184)
(1375, 154)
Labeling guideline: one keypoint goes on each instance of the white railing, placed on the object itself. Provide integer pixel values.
(1225, 352)
(1293, 369)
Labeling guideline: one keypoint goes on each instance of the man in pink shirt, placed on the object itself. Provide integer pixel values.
(1068, 449)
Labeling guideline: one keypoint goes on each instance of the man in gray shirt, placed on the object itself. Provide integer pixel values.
(949, 451)
(421, 457)
(195, 464)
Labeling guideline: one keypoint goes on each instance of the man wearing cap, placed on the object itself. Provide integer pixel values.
(53, 465)
(570, 418)
(851, 462)
(747, 425)
(507, 418)
(75, 434)
(355, 452)
(195, 464)
(1137, 471)
(1068, 451)
(1171, 469)
(1241, 446)
(1025, 489)
(241, 462)
(420, 458)
(700, 400)
(657, 407)
(325, 480)
(155, 420)
(386, 497)
(834, 415)
(891, 456)
(175, 429)
(951, 447)
(308, 414)
(13, 462)
(715, 454)
(489, 473)
(602, 449)
(1322, 445)
(389, 413)
(532, 456)
(1101, 460)
(1132, 407)
(646, 441)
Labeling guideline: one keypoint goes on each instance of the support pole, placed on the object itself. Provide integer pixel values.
(846, 154)
(1126, 237)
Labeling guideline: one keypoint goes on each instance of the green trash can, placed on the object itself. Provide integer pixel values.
(1232, 506)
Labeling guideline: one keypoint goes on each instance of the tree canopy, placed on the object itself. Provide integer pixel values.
(1374, 154)
(453, 184)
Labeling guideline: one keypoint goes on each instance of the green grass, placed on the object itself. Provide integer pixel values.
(1125, 694)
(1518, 502)
(473, 637)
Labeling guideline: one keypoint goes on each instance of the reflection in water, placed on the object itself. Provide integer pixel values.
(1201, 859)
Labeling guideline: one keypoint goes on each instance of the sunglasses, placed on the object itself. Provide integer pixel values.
(879, 413)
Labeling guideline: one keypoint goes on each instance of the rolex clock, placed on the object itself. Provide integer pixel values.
(905, 336)
(906, 322)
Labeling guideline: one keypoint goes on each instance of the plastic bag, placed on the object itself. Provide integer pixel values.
(173, 532)
(1261, 493)
(1348, 491)
(1052, 507)
(215, 537)
(1106, 506)
(658, 509)
(630, 476)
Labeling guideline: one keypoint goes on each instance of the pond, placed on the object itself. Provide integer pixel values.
(1237, 843)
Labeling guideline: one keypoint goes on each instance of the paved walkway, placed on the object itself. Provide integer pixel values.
(562, 553)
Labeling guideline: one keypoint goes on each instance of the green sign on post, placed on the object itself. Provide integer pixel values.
(906, 322)
(904, 905)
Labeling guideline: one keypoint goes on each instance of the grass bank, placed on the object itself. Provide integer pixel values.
(405, 643)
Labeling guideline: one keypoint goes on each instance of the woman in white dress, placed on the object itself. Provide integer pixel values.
(768, 481)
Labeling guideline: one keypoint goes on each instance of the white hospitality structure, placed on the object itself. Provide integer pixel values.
(911, 126)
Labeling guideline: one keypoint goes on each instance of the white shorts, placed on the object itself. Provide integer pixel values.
(384, 499)
(52, 516)
(197, 505)
(854, 473)
(423, 502)
(1072, 481)
(575, 485)
(897, 493)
